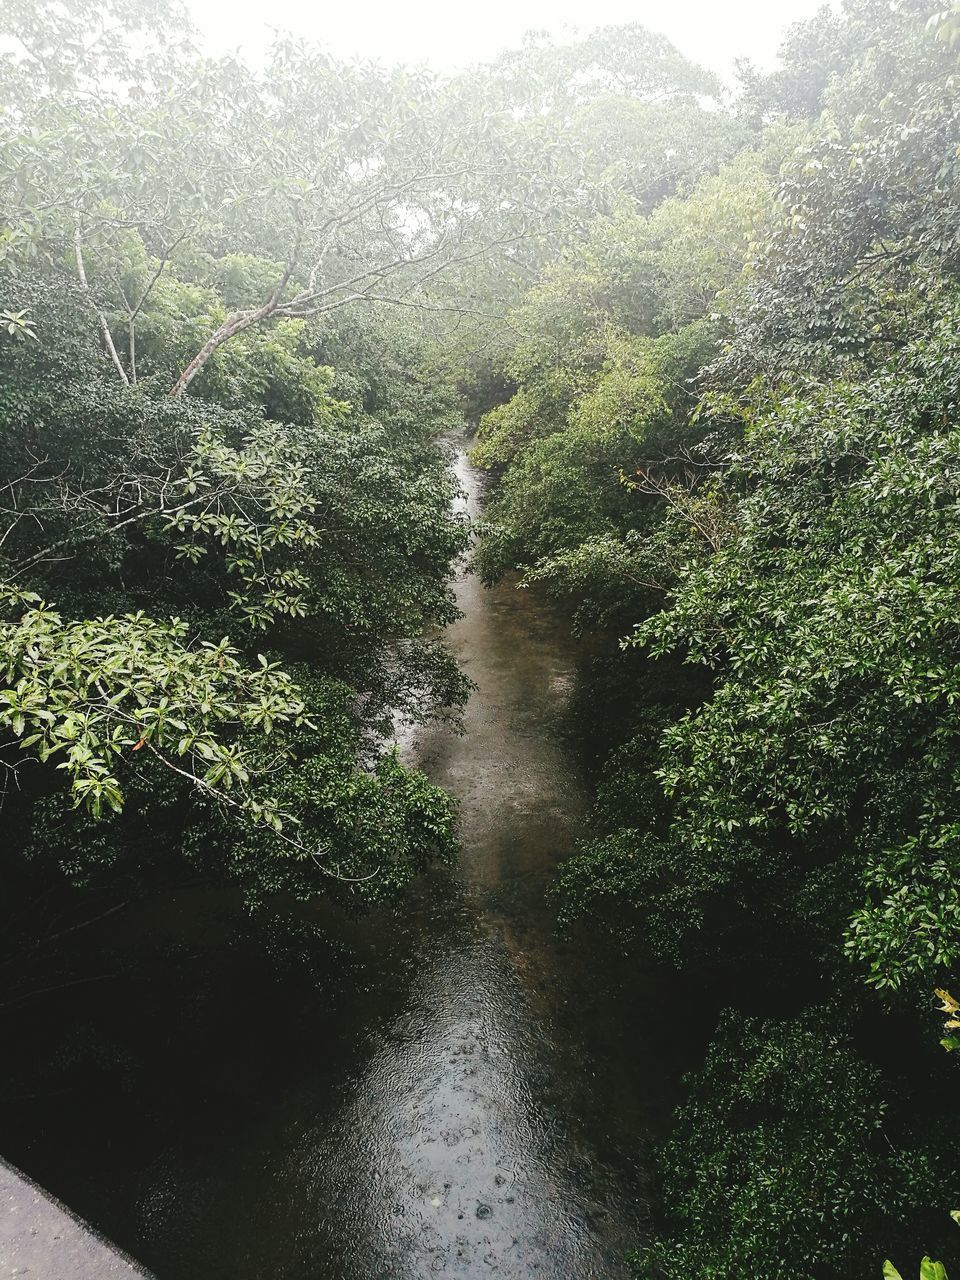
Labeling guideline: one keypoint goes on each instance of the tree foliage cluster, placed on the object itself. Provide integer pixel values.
(729, 441)
(226, 517)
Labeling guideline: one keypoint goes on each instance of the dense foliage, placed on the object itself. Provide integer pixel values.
(788, 1124)
(729, 442)
(222, 557)
(711, 342)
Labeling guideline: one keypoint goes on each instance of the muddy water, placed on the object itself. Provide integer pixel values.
(475, 1100)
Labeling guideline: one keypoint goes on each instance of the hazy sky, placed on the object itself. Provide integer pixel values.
(449, 34)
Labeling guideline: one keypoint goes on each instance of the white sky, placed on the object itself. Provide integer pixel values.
(453, 33)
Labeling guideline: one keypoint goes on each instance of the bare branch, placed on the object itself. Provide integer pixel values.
(104, 327)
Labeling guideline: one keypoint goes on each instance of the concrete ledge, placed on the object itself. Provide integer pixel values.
(40, 1239)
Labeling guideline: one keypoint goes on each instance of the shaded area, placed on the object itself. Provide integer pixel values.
(447, 1090)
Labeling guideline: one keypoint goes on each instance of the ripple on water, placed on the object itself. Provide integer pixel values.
(444, 1155)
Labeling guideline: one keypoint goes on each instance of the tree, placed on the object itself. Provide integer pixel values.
(349, 184)
(614, 338)
(156, 526)
(778, 1164)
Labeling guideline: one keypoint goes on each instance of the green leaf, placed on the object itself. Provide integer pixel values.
(930, 1270)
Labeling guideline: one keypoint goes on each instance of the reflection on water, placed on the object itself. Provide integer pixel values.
(456, 1149)
(457, 1163)
(476, 1100)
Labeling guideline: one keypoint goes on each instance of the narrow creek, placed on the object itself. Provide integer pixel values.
(480, 1097)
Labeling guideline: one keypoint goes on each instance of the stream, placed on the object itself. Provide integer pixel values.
(478, 1098)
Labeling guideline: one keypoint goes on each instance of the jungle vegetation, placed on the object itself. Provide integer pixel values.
(711, 340)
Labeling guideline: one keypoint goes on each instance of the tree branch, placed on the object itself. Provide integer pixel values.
(104, 327)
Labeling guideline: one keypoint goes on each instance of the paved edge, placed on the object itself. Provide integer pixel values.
(42, 1239)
